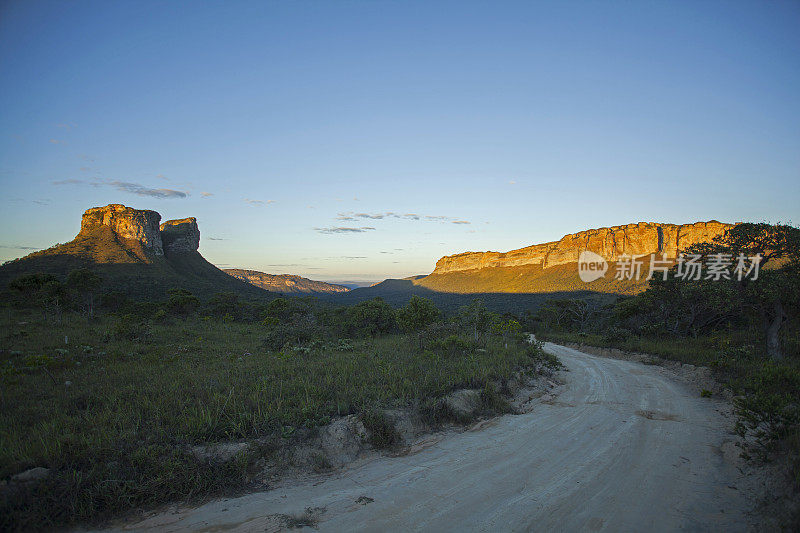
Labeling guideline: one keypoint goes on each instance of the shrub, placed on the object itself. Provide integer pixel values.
(769, 409)
(454, 345)
(382, 433)
(182, 302)
(417, 314)
(301, 330)
(615, 334)
(129, 328)
(369, 318)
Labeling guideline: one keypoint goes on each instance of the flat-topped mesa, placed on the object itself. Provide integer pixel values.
(180, 236)
(639, 239)
(128, 223)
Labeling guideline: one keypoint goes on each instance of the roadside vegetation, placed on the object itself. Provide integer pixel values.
(102, 398)
(747, 331)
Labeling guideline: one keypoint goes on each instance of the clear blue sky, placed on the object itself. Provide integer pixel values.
(505, 123)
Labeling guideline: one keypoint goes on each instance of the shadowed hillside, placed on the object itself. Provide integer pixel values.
(397, 292)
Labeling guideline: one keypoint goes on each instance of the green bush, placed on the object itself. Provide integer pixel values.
(382, 433)
(369, 319)
(130, 328)
(182, 302)
(454, 345)
(769, 408)
(417, 314)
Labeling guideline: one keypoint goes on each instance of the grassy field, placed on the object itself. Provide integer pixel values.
(113, 407)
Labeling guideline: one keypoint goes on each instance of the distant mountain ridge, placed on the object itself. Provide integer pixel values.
(521, 279)
(285, 283)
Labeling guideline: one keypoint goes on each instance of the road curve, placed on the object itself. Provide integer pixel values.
(622, 448)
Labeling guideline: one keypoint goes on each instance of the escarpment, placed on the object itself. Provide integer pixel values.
(126, 222)
(172, 237)
(180, 236)
(639, 239)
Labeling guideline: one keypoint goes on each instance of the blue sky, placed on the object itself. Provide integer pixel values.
(426, 128)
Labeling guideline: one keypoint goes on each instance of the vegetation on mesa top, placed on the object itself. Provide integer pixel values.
(112, 405)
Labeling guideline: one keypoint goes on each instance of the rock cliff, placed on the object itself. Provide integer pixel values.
(180, 236)
(134, 255)
(127, 223)
(639, 239)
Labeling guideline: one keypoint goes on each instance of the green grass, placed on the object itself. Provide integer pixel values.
(704, 350)
(119, 435)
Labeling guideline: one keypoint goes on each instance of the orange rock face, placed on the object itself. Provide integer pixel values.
(639, 239)
(137, 224)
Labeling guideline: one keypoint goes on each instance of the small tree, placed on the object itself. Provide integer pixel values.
(417, 314)
(777, 288)
(85, 283)
(475, 317)
(508, 329)
(371, 317)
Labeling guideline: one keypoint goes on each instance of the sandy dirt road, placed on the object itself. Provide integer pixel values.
(622, 448)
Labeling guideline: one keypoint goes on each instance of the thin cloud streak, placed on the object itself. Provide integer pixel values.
(258, 202)
(342, 229)
(129, 187)
(12, 247)
(350, 216)
(141, 190)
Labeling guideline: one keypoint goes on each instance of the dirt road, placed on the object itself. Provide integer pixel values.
(622, 448)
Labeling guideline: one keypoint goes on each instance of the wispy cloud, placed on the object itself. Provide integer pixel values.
(141, 190)
(258, 202)
(162, 177)
(66, 125)
(126, 186)
(342, 229)
(15, 247)
(350, 216)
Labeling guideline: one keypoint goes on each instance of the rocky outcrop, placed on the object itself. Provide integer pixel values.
(180, 236)
(285, 283)
(127, 223)
(639, 239)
